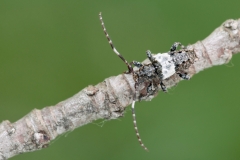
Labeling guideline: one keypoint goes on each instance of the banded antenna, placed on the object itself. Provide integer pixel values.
(130, 70)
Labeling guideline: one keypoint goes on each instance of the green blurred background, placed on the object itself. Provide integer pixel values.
(50, 50)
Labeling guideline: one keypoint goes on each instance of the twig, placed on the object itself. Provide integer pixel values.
(106, 100)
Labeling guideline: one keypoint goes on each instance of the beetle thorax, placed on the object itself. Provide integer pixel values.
(168, 66)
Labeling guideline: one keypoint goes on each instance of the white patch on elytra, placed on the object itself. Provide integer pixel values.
(168, 67)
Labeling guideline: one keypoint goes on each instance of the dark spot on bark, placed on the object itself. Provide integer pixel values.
(40, 139)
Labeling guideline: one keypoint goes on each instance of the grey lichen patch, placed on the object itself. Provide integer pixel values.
(115, 108)
(231, 26)
(9, 127)
(14, 147)
(11, 131)
(91, 90)
(110, 93)
(41, 139)
(2, 157)
(65, 123)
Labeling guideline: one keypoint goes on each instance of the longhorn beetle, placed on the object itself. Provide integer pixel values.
(149, 77)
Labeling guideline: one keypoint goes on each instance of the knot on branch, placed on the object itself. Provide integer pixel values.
(40, 139)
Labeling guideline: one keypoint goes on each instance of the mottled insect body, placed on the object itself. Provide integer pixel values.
(149, 77)
(175, 61)
(182, 59)
(168, 67)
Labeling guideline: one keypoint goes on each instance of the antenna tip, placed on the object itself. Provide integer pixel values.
(100, 13)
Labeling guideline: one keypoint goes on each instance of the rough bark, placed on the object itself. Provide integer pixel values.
(106, 100)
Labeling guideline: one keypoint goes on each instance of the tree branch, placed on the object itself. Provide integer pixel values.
(106, 100)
